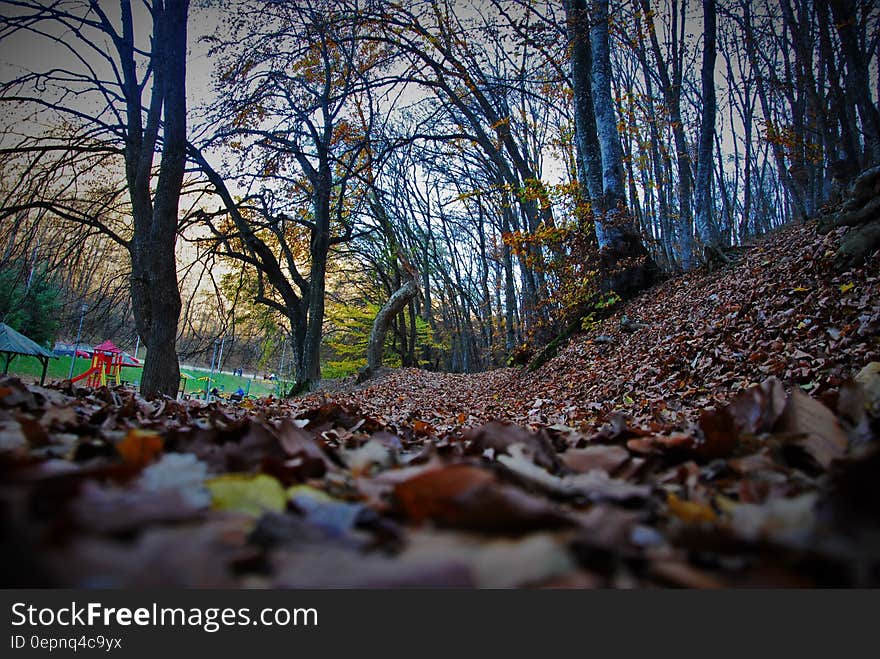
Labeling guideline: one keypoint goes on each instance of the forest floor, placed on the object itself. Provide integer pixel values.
(692, 341)
(726, 436)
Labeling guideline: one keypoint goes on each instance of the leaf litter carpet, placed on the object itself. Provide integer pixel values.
(724, 434)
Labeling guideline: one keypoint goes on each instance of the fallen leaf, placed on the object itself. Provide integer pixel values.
(335, 517)
(752, 411)
(422, 428)
(501, 436)
(247, 493)
(869, 379)
(114, 510)
(182, 473)
(140, 447)
(469, 497)
(11, 436)
(690, 512)
(595, 485)
(606, 458)
(814, 428)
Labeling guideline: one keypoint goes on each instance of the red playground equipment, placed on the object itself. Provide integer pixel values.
(107, 363)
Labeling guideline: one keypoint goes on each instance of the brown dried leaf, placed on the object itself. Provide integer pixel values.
(470, 497)
(501, 436)
(606, 458)
(815, 428)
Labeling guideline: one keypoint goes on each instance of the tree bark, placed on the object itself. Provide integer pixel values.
(707, 230)
(857, 87)
(310, 370)
(626, 267)
(155, 292)
(671, 88)
(395, 304)
(586, 139)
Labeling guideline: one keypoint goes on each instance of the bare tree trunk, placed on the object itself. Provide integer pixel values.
(310, 372)
(509, 285)
(672, 88)
(586, 140)
(155, 293)
(706, 228)
(395, 304)
(791, 186)
(848, 151)
(857, 87)
(625, 263)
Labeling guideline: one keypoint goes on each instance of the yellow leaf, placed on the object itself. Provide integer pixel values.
(800, 289)
(690, 511)
(247, 493)
(846, 288)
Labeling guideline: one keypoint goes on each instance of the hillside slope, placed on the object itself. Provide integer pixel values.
(694, 340)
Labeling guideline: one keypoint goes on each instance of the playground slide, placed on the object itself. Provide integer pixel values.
(95, 369)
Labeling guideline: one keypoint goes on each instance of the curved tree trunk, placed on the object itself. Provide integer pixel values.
(395, 304)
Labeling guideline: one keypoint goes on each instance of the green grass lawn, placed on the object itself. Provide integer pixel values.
(227, 384)
(29, 368)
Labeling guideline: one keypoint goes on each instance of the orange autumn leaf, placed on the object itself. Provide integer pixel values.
(140, 447)
(438, 493)
(422, 427)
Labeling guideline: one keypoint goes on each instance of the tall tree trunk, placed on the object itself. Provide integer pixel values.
(413, 336)
(671, 88)
(154, 288)
(509, 284)
(586, 140)
(791, 187)
(848, 151)
(311, 353)
(707, 230)
(625, 264)
(857, 87)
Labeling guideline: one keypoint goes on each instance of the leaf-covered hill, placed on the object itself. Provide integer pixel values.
(781, 310)
(715, 438)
